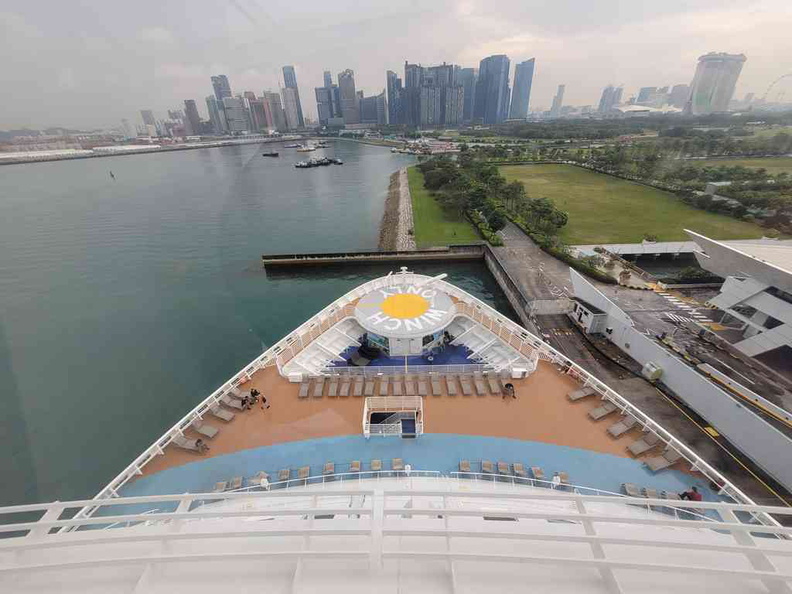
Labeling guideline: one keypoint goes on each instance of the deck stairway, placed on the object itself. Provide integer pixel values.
(318, 355)
(485, 347)
(404, 418)
(398, 423)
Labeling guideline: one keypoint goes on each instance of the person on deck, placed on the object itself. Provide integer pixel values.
(264, 404)
(692, 495)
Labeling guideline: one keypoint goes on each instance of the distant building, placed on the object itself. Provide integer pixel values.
(610, 99)
(291, 108)
(193, 118)
(383, 115)
(221, 86)
(290, 82)
(237, 114)
(713, 84)
(258, 117)
(328, 79)
(350, 103)
(432, 96)
(216, 115)
(679, 95)
(273, 111)
(492, 90)
(645, 95)
(129, 132)
(558, 101)
(148, 117)
(393, 88)
(368, 110)
(521, 94)
(468, 77)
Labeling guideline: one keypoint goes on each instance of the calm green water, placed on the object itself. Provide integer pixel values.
(123, 303)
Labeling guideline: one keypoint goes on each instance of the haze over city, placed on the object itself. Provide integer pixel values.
(90, 65)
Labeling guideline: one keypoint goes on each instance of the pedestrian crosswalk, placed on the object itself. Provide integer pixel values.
(687, 309)
(677, 318)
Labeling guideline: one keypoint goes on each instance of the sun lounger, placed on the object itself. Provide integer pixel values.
(237, 393)
(329, 468)
(303, 472)
(376, 465)
(650, 493)
(186, 443)
(666, 459)
(564, 477)
(332, 388)
(205, 429)
(631, 489)
(343, 391)
(643, 445)
(464, 381)
(398, 389)
(602, 411)
(519, 470)
(580, 394)
(486, 467)
(318, 388)
(384, 385)
(231, 403)
(503, 468)
(258, 477)
(409, 385)
(220, 486)
(304, 385)
(397, 464)
(357, 387)
(451, 385)
(494, 385)
(464, 466)
(368, 389)
(284, 474)
(478, 382)
(235, 483)
(423, 385)
(623, 426)
(224, 415)
(670, 495)
(354, 466)
(537, 473)
(437, 386)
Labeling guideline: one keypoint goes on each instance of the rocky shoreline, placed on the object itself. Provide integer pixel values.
(396, 227)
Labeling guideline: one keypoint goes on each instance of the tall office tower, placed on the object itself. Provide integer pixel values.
(430, 100)
(394, 90)
(216, 115)
(222, 88)
(411, 95)
(467, 77)
(713, 84)
(453, 105)
(175, 114)
(328, 79)
(237, 114)
(558, 101)
(290, 81)
(645, 95)
(273, 111)
(368, 110)
(258, 118)
(324, 104)
(679, 95)
(521, 94)
(350, 103)
(192, 116)
(610, 99)
(492, 90)
(148, 117)
(383, 115)
(291, 107)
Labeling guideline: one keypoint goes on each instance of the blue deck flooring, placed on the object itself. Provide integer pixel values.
(449, 355)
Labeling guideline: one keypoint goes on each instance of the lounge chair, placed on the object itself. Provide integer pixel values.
(384, 385)
(303, 472)
(186, 443)
(437, 387)
(343, 391)
(504, 378)
(397, 464)
(368, 389)
(220, 486)
(623, 426)
(603, 410)
(464, 466)
(664, 460)
(486, 467)
(503, 468)
(478, 382)
(376, 465)
(329, 468)
(650, 493)
(398, 389)
(318, 388)
(409, 385)
(494, 385)
(644, 444)
(519, 470)
(451, 385)
(284, 474)
(231, 403)
(303, 393)
(205, 429)
(354, 466)
(332, 388)
(235, 483)
(223, 415)
(580, 394)
(235, 392)
(423, 386)
(464, 381)
(631, 489)
(357, 387)
(564, 477)
(537, 473)
(670, 495)
(258, 477)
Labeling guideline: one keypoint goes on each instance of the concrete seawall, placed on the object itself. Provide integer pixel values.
(464, 252)
(397, 221)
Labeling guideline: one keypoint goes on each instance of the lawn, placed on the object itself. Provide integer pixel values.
(433, 225)
(605, 209)
(774, 165)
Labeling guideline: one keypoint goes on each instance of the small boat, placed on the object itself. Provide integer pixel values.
(306, 148)
(270, 154)
(337, 161)
(292, 146)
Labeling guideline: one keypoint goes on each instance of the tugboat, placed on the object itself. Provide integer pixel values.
(270, 154)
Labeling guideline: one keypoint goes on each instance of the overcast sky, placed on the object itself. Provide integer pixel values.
(86, 63)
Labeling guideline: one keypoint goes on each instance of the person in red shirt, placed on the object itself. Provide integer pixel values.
(692, 495)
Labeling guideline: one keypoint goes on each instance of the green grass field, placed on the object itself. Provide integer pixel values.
(433, 225)
(605, 209)
(774, 165)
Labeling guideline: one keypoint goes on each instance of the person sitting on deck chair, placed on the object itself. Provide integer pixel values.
(245, 402)
(508, 390)
(202, 447)
(556, 480)
(692, 495)
(254, 394)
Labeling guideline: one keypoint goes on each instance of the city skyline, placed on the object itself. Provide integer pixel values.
(120, 58)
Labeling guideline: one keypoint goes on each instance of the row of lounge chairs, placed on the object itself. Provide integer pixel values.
(403, 385)
(632, 490)
(515, 469)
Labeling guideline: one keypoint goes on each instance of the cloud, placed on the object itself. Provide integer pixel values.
(158, 35)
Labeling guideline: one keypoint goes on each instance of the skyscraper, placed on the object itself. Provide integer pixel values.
(394, 90)
(273, 111)
(290, 81)
(193, 118)
(350, 104)
(492, 90)
(328, 79)
(610, 99)
(468, 77)
(713, 84)
(383, 114)
(216, 115)
(521, 94)
(148, 117)
(222, 88)
(558, 101)
(237, 114)
(291, 107)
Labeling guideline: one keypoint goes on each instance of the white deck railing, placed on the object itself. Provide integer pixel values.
(468, 305)
(402, 369)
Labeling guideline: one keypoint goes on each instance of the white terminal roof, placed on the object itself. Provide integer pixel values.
(405, 311)
(772, 251)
